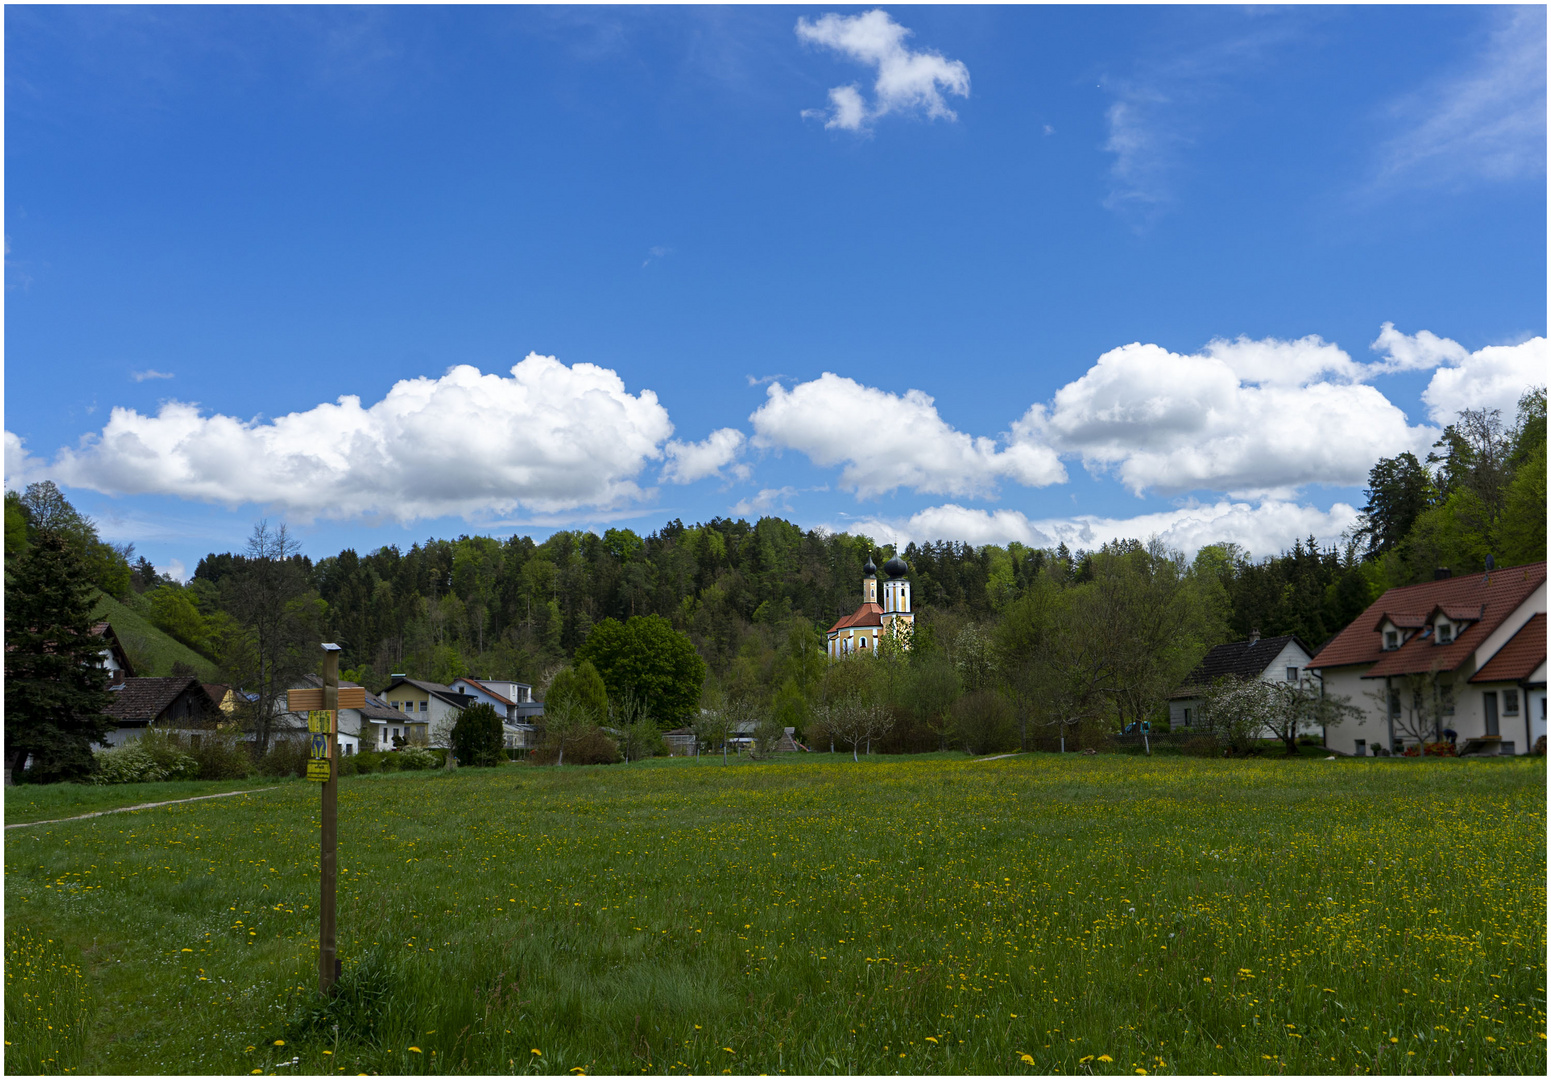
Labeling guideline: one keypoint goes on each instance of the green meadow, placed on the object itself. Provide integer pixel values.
(1035, 914)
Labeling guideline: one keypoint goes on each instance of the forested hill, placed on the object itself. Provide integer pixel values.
(517, 608)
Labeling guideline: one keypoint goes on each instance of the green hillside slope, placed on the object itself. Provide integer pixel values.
(151, 652)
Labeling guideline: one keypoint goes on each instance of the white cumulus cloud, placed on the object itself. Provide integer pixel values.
(888, 441)
(688, 462)
(1490, 378)
(1264, 528)
(545, 438)
(907, 81)
(1251, 418)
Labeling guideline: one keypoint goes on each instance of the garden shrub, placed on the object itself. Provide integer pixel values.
(286, 757)
(416, 758)
(221, 754)
(150, 758)
(593, 748)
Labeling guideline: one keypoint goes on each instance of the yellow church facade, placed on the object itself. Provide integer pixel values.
(863, 629)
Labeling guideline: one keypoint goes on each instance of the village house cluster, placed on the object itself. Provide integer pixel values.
(1460, 660)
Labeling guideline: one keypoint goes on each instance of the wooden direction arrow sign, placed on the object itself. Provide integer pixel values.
(350, 697)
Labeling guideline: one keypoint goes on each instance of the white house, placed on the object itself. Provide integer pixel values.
(358, 728)
(513, 701)
(1282, 659)
(1465, 655)
(425, 710)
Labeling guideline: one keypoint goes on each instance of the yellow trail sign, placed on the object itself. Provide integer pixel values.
(320, 769)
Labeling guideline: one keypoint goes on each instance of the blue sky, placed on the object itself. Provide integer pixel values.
(968, 273)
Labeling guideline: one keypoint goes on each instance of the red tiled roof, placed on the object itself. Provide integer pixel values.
(1400, 620)
(869, 614)
(1517, 660)
(499, 697)
(1493, 598)
(1457, 612)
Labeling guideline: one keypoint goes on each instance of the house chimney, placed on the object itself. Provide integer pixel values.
(1442, 573)
(1254, 636)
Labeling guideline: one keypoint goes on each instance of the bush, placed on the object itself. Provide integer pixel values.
(416, 758)
(593, 748)
(286, 757)
(983, 723)
(221, 754)
(150, 758)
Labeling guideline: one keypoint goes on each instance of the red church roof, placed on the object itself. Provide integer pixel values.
(869, 614)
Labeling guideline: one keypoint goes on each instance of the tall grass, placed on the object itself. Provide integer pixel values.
(1035, 914)
(46, 1005)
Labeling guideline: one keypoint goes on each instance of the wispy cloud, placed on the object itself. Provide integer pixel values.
(149, 373)
(1162, 107)
(907, 81)
(658, 252)
(1486, 121)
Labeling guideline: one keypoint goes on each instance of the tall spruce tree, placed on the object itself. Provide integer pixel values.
(56, 692)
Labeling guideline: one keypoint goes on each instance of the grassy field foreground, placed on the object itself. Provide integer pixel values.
(1033, 914)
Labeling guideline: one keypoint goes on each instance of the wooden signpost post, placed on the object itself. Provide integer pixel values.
(322, 708)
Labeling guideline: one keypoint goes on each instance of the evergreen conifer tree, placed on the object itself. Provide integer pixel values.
(55, 688)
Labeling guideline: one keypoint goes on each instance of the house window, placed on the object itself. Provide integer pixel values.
(1394, 702)
(1445, 633)
(424, 706)
(1510, 703)
(1446, 698)
(1361, 749)
(1187, 717)
(1292, 674)
(1391, 639)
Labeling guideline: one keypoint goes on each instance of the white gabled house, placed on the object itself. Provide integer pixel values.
(1282, 659)
(1457, 656)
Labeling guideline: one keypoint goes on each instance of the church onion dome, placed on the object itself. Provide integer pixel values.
(869, 570)
(896, 567)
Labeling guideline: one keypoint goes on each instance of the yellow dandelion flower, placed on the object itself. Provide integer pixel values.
(1105, 1057)
(1027, 1059)
(414, 1049)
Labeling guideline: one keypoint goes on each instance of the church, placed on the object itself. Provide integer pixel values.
(861, 630)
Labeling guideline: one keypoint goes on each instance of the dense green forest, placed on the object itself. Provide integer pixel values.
(1108, 630)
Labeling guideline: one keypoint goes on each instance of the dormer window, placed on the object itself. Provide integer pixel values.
(1444, 633)
(1391, 640)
